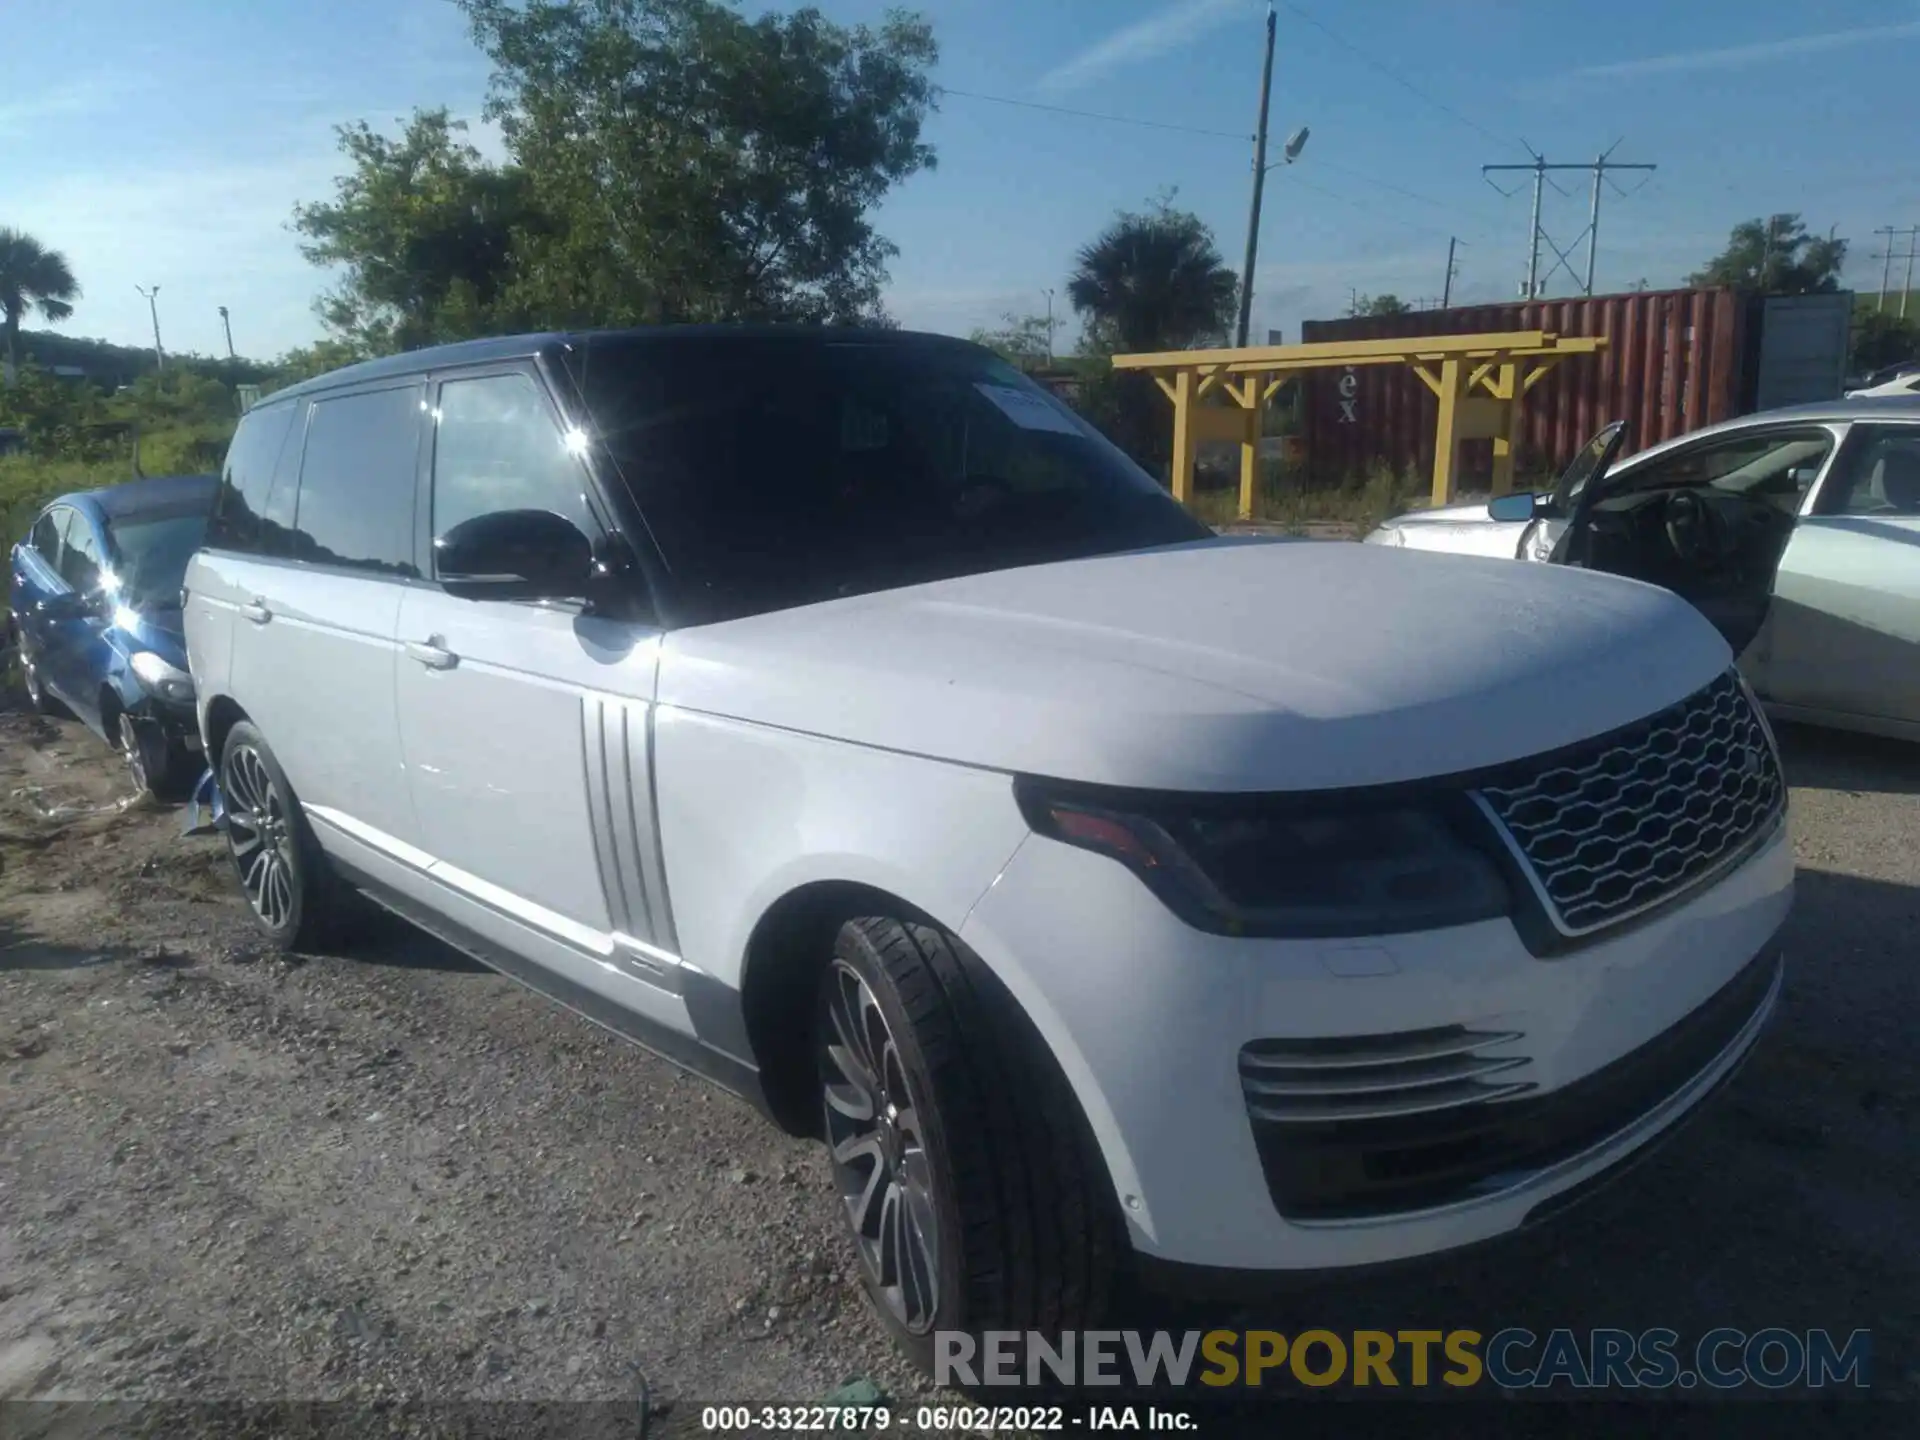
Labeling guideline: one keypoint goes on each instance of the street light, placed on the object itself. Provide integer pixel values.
(227, 325)
(1049, 295)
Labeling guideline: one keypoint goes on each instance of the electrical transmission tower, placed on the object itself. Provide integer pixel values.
(1912, 232)
(1600, 166)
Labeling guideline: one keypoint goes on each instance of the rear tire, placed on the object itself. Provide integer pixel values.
(295, 898)
(974, 1191)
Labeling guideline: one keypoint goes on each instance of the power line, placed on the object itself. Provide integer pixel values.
(1402, 190)
(1395, 76)
(1093, 114)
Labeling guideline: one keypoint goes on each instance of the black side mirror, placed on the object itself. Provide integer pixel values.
(524, 552)
(1523, 506)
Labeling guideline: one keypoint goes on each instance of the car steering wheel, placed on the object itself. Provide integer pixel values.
(1693, 529)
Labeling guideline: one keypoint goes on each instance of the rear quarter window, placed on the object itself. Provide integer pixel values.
(245, 480)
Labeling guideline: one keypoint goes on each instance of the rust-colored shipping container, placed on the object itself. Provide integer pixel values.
(1675, 360)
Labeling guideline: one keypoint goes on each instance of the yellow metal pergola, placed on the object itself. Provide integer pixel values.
(1480, 381)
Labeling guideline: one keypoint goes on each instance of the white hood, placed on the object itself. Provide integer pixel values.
(1215, 666)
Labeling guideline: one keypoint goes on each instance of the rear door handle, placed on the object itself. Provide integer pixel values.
(257, 612)
(430, 654)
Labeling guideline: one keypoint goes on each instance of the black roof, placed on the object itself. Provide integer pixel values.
(158, 492)
(520, 347)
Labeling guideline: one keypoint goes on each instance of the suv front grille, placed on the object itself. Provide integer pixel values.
(1617, 825)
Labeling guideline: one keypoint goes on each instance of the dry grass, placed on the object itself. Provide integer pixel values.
(1284, 498)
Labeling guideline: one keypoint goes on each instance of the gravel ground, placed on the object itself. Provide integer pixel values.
(394, 1175)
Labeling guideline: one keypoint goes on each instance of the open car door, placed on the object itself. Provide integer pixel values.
(1554, 512)
(1706, 517)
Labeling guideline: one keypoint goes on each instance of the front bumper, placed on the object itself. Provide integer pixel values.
(1150, 1018)
(176, 721)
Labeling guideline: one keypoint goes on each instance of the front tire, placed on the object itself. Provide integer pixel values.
(291, 891)
(158, 765)
(974, 1192)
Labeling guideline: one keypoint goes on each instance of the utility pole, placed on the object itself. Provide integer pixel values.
(153, 309)
(1600, 165)
(227, 325)
(1259, 183)
(1446, 290)
(1886, 270)
(1906, 285)
(1049, 294)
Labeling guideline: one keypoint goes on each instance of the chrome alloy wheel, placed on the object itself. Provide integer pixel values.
(130, 750)
(879, 1151)
(259, 835)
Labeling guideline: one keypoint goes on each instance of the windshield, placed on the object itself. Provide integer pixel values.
(778, 472)
(151, 554)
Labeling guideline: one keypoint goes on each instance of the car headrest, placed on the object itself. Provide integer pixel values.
(1900, 479)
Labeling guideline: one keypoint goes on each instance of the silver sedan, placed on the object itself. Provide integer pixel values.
(1796, 532)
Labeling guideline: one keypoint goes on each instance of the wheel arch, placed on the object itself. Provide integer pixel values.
(223, 712)
(787, 949)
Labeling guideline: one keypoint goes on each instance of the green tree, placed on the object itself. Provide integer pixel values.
(1881, 339)
(316, 359)
(1021, 340)
(1775, 256)
(1370, 305)
(32, 277)
(692, 164)
(425, 232)
(1153, 280)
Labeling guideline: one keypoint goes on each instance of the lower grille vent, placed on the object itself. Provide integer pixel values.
(1377, 1076)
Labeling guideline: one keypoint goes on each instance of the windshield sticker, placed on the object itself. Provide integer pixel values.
(1029, 412)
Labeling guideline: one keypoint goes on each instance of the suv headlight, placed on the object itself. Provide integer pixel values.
(1285, 865)
(161, 678)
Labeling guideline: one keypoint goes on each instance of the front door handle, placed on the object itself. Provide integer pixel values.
(257, 612)
(431, 654)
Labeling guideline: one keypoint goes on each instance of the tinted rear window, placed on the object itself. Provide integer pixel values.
(780, 472)
(355, 506)
(246, 478)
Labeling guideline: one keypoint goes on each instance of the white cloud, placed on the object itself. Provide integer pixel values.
(1735, 56)
(1159, 33)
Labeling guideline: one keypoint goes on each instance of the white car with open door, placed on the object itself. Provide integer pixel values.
(1796, 532)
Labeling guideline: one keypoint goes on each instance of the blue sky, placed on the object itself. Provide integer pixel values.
(168, 144)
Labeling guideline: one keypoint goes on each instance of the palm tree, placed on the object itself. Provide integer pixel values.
(1153, 280)
(32, 277)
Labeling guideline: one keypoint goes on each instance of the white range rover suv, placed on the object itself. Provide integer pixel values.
(841, 716)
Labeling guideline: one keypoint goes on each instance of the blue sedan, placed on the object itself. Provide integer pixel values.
(96, 609)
